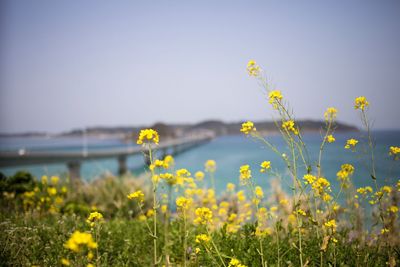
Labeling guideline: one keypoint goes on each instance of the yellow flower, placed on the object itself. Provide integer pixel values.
(168, 161)
(169, 178)
(394, 151)
(79, 240)
(351, 143)
(183, 203)
(248, 127)
(230, 187)
(158, 163)
(241, 197)
(320, 186)
(273, 208)
(290, 127)
(54, 180)
(199, 175)
(330, 113)
(137, 195)
(150, 213)
(210, 165)
(45, 180)
(259, 192)
(361, 103)
(265, 165)
(65, 262)
(235, 263)
(202, 238)
(182, 173)
(393, 209)
(330, 139)
(364, 190)
(148, 136)
(245, 173)
(164, 208)
(384, 231)
(204, 216)
(331, 224)
(274, 97)
(252, 68)
(309, 178)
(93, 217)
(386, 189)
(52, 191)
(90, 255)
(197, 250)
(29, 194)
(284, 202)
(301, 212)
(345, 172)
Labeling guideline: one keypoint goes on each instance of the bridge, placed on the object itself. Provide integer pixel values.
(74, 159)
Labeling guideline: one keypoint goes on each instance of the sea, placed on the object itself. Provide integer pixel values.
(229, 152)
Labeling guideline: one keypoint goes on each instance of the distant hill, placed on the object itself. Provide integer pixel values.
(175, 130)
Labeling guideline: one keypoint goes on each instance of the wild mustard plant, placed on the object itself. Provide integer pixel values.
(147, 138)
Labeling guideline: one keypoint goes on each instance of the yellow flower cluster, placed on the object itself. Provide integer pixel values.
(79, 240)
(202, 238)
(289, 126)
(184, 173)
(351, 143)
(346, 170)
(169, 178)
(183, 203)
(204, 216)
(253, 69)
(361, 103)
(94, 217)
(199, 176)
(259, 192)
(265, 165)
(230, 187)
(210, 166)
(301, 212)
(168, 161)
(331, 224)
(235, 263)
(395, 152)
(393, 209)
(321, 188)
(245, 173)
(330, 114)
(137, 195)
(147, 136)
(330, 139)
(274, 97)
(364, 190)
(248, 127)
(309, 178)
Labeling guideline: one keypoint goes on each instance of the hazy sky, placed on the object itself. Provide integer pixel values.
(71, 64)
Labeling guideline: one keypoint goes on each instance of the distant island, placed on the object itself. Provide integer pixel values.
(215, 127)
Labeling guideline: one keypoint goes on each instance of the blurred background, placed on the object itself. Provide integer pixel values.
(85, 76)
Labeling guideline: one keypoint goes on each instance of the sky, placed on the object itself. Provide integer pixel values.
(73, 64)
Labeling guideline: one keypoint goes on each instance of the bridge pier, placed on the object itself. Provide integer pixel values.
(122, 167)
(74, 169)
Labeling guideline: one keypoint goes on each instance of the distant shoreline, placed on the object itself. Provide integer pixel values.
(217, 127)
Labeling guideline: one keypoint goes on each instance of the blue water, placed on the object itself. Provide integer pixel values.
(230, 152)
